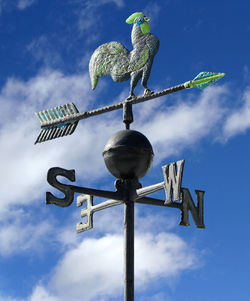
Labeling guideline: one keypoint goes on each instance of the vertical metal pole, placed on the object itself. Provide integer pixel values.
(128, 249)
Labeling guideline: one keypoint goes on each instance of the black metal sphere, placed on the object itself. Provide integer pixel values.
(128, 154)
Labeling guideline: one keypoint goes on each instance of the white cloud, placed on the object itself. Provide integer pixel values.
(94, 269)
(184, 124)
(157, 297)
(238, 121)
(40, 294)
(23, 4)
(29, 231)
(23, 231)
(16, 238)
(96, 262)
(24, 165)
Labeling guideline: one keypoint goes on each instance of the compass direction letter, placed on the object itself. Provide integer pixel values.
(173, 180)
(88, 212)
(196, 211)
(66, 189)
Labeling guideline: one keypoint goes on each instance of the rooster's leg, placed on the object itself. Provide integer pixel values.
(145, 77)
(135, 76)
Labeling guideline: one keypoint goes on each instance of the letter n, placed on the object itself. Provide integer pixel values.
(196, 211)
(172, 180)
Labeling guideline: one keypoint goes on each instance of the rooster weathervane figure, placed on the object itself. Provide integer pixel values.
(114, 59)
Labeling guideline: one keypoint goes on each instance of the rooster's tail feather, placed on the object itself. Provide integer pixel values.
(94, 81)
(106, 60)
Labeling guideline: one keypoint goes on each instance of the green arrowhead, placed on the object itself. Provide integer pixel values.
(203, 80)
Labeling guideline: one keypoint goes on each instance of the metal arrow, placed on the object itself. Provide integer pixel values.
(62, 120)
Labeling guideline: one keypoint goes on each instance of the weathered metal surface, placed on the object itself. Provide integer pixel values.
(69, 190)
(128, 249)
(128, 154)
(114, 59)
(141, 192)
(185, 205)
(66, 189)
(90, 210)
(171, 184)
(196, 211)
(127, 114)
(113, 107)
(57, 113)
(173, 180)
(158, 202)
(130, 189)
(68, 118)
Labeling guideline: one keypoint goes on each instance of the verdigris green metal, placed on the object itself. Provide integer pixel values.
(203, 80)
(116, 60)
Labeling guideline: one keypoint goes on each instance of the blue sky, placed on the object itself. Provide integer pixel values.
(45, 49)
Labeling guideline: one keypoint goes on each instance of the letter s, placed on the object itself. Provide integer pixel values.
(66, 189)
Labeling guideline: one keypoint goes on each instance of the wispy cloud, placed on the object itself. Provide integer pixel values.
(1, 6)
(17, 4)
(23, 4)
(152, 10)
(41, 294)
(156, 297)
(238, 121)
(25, 231)
(246, 74)
(43, 51)
(5, 298)
(89, 16)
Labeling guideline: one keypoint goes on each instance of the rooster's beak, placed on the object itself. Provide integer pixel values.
(146, 19)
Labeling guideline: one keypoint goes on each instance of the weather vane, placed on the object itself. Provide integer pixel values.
(128, 154)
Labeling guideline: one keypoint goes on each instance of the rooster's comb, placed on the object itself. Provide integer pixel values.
(132, 18)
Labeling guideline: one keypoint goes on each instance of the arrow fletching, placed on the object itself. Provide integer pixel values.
(203, 80)
(55, 115)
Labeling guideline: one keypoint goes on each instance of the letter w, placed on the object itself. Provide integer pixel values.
(172, 180)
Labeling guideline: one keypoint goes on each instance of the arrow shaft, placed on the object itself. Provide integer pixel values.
(113, 107)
